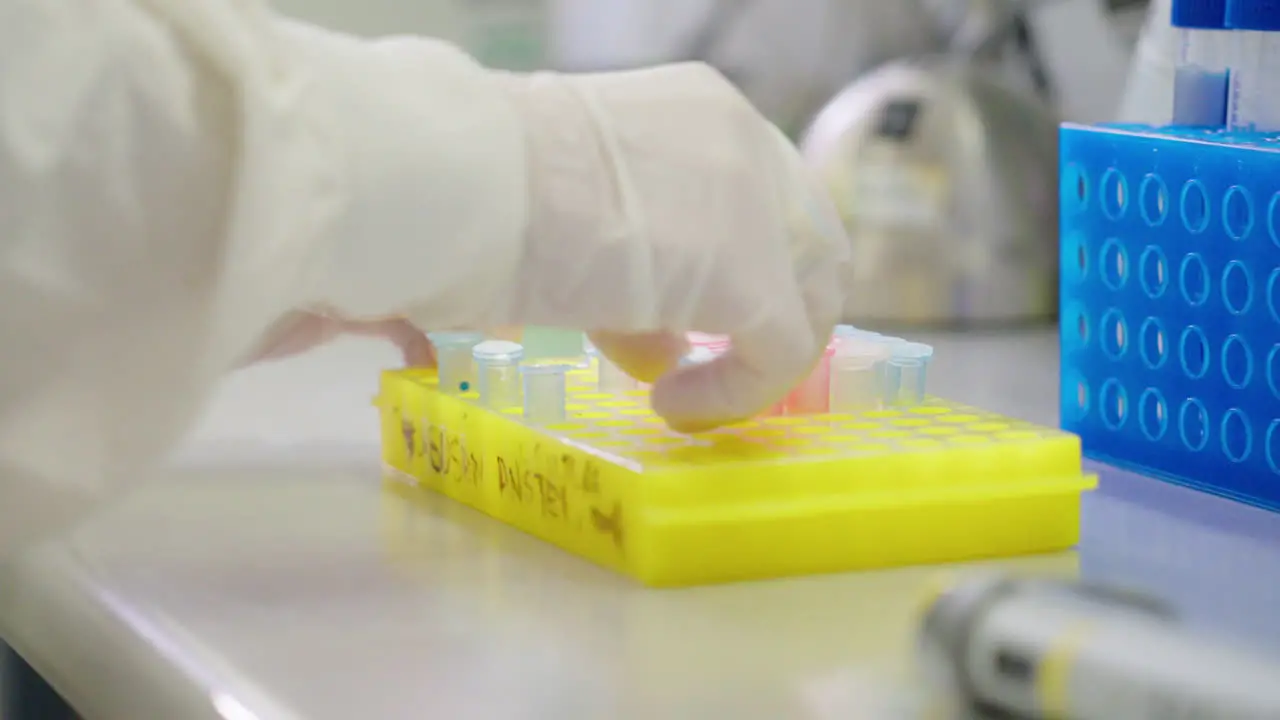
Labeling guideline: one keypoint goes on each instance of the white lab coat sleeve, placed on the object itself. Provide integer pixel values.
(175, 175)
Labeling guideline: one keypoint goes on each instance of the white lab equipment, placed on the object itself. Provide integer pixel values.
(1254, 104)
(1201, 82)
(943, 236)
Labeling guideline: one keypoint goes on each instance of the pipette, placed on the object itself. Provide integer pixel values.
(454, 361)
(498, 373)
(1041, 649)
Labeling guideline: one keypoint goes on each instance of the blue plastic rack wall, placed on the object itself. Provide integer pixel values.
(1170, 245)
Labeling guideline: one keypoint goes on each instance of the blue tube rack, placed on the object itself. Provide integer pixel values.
(1170, 289)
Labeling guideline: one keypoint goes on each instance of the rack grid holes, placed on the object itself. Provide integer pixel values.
(1154, 269)
(1154, 200)
(1115, 194)
(1114, 264)
(1237, 435)
(1154, 343)
(1153, 414)
(1194, 207)
(1237, 213)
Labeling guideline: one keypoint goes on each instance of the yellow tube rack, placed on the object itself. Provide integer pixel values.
(774, 497)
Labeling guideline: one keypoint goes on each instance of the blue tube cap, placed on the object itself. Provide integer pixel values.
(1253, 15)
(1201, 14)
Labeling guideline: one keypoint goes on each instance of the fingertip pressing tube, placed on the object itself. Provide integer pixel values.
(544, 393)
(498, 373)
(456, 366)
(908, 373)
(857, 371)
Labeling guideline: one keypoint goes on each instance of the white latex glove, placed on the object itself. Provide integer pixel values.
(301, 331)
(176, 176)
(662, 202)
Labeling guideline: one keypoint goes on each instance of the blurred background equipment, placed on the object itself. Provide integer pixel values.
(944, 168)
(941, 150)
(790, 56)
(1026, 648)
(1129, 16)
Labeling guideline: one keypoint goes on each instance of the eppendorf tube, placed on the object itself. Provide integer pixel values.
(1201, 78)
(544, 344)
(857, 375)
(908, 369)
(457, 371)
(813, 395)
(1254, 104)
(498, 373)
(544, 393)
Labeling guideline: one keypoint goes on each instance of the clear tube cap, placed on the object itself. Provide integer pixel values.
(497, 351)
(911, 352)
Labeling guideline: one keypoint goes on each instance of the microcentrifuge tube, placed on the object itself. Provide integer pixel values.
(544, 393)
(551, 344)
(857, 376)
(1201, 78)
(1253, 104)
(908, 372)
(498, 373)
(813, 395)
(457, 371)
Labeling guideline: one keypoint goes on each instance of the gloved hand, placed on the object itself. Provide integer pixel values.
(301, 331)
(662, 202)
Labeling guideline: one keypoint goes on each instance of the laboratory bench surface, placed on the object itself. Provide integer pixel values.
(269, 574)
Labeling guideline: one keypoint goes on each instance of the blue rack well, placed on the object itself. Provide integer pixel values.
(1170, 244)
